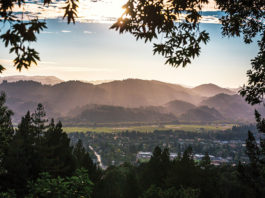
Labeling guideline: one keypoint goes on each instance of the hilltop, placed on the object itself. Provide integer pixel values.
(128, 100)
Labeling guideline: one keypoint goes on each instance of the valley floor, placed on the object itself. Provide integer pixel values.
(151, 128)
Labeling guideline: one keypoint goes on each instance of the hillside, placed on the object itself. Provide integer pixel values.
(178, 107)
(60, 99)
(209, 90)
(136, 92)
(202, 114)
(113, 114)
(232, 107)
(45, 80)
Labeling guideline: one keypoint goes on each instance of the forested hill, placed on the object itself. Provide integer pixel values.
(63, 98)
(114, 114)
(45, 80)
(211, 90)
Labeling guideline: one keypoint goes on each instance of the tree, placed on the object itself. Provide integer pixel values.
(22, 160)
(35, 148)
(76, 186)
(174, 22)
(6, 129)
(58, 159)
(9, 194)
(83, 160)
(253, 173)
(151, 19)
(39, 120)
(206, 161)
(118, 182)
(21, 33)
(156, 192)
(156, 170)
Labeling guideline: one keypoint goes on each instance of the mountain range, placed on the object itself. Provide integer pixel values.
(130, 100)
(46, 80)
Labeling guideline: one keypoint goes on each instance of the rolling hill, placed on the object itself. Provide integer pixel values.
(209, 90)
(202, 114)
(136, 92)
(61, 98)
(45, 80)
(233, 107)
(116, 114)
(134, 95)
(178, 107)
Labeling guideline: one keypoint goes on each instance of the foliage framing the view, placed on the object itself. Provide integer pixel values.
(151, 19)
(174, 22)
(177, 23)
(22, 31)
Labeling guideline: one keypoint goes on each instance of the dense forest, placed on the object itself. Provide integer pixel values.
(38, 160)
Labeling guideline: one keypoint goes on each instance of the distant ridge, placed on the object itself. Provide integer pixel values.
(209, 90)
(114, 114)
(45, 80)
(232, 106)
(98, 82)
(178, 107)
(202, 114)
(132, 96)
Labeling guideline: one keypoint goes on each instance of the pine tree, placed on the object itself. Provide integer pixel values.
(155, 171)
(6, 129)
(83, 160)
(58, 159)
(39, 120)
(22, 161)
(205, 163)
(253, 174)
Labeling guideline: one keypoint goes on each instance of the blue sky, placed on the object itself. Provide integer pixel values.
(91, 51)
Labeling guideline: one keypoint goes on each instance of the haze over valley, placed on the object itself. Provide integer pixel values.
(125, 101)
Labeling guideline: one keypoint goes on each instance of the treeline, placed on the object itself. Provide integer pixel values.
(37, 160)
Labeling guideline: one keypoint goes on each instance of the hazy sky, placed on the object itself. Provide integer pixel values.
(89, 51)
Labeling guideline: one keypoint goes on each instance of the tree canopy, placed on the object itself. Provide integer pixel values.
(22, 31)
(172, 25)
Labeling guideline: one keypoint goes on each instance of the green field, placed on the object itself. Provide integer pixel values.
(151, 128)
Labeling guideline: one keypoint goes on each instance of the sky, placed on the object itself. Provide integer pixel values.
(90, 51)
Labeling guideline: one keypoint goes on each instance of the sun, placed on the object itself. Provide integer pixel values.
(100, 11)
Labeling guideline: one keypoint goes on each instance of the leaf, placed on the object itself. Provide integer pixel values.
(2, 68)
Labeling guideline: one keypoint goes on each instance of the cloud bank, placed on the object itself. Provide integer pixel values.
(92, 11)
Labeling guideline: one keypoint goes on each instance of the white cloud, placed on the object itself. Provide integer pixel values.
(65, 31)
(106, 11)
(88, 32)
(210, 19)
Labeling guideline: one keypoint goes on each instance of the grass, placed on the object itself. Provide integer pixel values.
(151, 128)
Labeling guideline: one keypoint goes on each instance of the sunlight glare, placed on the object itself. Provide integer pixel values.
(100, 11)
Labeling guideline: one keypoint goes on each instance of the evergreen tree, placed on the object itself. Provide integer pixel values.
(58, 159)
(83, 160)
(6, 129)
(118, 182)
(155, 171)
(22, 161)
(253, 174)
(205, 163)
(39, 120)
